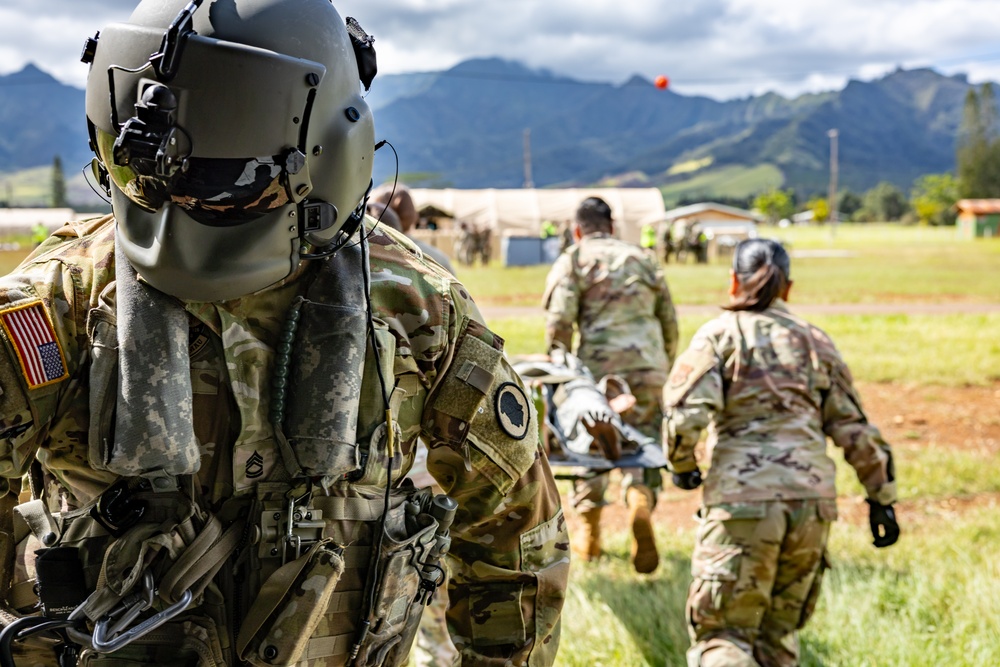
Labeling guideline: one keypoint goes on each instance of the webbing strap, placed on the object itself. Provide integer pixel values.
(349, 509)
(201, 559)
(344, 601)
(325, 647)
(40, 521)
(22, 595)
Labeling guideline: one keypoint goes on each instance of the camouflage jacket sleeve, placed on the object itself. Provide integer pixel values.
(56, 287)
(692, 394)
(509, 563)
(844, 421)
(667, 314)
(562, 302)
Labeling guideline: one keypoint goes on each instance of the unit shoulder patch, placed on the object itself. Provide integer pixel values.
(34, 340)
(512, 410)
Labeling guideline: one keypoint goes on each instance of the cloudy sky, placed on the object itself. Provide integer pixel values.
(720, 48)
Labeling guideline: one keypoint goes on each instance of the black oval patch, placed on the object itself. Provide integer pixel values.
(513, 412)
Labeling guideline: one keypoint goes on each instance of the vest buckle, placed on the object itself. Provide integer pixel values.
(117, 509)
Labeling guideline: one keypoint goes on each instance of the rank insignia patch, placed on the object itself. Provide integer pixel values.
(512, 411)
(34, 340)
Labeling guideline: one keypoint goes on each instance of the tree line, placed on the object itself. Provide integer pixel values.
(932, 197)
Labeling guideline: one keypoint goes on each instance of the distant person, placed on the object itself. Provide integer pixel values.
(548, 229)
(771, 388)
(400, 202)
(647, 237)
(668, 243)
(615, 296)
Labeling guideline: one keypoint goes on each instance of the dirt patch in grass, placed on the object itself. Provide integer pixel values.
(967, 418)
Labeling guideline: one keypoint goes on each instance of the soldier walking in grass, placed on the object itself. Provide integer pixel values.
(615, 296)
(773, 388)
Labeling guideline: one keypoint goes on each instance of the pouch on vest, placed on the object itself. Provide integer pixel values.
(103, 335)
(326, 339)
(416, 538)
(290, 606)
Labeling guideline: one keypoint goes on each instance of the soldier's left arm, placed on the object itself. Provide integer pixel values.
(561, 301)
(510, 553)
(844, 420)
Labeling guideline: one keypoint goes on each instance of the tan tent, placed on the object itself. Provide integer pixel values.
(521, 212)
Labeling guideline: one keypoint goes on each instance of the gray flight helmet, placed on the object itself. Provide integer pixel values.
(231, 137)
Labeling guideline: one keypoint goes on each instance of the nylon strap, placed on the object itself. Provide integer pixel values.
(326, 647)
(349, 509)
(200, 560)
(40, 521)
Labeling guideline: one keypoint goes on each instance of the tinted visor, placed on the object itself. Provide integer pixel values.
(213, 191)
(238, 107)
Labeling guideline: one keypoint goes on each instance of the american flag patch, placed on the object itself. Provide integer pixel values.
(30, 331)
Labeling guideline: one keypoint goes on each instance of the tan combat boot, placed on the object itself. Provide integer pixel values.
(586, 544)
(645, 559)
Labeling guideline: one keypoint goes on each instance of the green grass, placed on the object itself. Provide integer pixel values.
(28, 187)
(923, 349)
(930, 472)
(928, 601)
(870, 264)
(33, 187)
(728, 181)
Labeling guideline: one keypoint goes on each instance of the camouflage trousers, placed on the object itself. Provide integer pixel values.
(757, 571)
(646, 416)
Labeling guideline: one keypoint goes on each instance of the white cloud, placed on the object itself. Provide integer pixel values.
(722, 48)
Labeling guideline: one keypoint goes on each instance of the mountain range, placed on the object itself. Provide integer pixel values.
(466, 127)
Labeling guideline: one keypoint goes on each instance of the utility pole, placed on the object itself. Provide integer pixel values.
(832, 195)
(528, 183)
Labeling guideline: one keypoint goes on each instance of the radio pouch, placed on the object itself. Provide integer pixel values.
(289, 607)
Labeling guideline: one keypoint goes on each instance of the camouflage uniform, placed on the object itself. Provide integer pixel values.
(772, 388)
(615, 294)
(506, 587)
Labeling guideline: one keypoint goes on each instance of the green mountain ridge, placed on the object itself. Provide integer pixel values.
(465, 126)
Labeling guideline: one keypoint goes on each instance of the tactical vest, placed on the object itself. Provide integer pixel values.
(328, 562)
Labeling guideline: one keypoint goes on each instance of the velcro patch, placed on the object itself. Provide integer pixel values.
(34, 340)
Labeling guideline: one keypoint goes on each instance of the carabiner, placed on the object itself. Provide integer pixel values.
(103, 645)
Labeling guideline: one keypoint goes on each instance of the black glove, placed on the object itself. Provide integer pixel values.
(689, 481)
(882, 519)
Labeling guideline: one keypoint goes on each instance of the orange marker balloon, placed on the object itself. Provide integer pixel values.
(661, 82)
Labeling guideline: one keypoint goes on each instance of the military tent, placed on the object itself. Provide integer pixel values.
(520, 212)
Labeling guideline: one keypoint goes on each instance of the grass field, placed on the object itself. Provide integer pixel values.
(860, 264)
(932, 599)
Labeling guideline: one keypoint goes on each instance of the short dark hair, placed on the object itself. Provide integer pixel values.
(593, 215)
(763, 267)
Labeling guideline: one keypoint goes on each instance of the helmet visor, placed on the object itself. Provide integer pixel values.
(213, 191)
(238, 107)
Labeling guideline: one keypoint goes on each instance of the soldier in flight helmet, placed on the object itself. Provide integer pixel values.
(212, 397)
